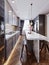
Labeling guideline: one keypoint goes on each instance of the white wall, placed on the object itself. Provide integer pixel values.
(47, 25)
(26, 25)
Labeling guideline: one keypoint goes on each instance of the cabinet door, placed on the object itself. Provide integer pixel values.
(7, 12)
(10, 18)
(17, 35)
(15, 20)
(9, 46)
(2, 8)
(14, 40)
(42, 24)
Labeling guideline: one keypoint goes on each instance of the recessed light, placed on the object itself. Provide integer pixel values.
(13, 1)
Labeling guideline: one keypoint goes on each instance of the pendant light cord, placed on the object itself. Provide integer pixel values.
(31, 11)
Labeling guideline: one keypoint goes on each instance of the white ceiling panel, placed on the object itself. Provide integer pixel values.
(23, 8)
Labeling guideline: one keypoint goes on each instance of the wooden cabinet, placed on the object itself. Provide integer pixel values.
(40, 24)
(9, 46)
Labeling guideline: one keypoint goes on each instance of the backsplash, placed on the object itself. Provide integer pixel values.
(9, 28)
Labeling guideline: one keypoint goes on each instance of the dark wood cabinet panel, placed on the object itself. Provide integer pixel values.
(41, 21)
(42, 24)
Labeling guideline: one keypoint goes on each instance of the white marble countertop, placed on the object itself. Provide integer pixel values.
(36, 36)
(9, 36)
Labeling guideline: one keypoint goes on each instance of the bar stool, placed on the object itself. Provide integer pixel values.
(44, 45)
(24, 44)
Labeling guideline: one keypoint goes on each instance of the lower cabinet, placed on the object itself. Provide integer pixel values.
(9, 46)
(14, 40)
(10, 43)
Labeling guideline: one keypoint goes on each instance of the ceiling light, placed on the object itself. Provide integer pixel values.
(13, 1)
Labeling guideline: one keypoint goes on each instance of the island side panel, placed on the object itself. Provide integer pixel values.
(36, 49)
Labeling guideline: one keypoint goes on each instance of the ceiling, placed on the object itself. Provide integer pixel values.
(22, 8)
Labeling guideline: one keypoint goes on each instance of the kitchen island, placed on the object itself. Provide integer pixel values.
(36, 37)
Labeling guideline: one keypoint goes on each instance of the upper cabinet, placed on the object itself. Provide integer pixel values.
(6, 12)
(18, 22)
(15, 22)
(10, 16)
(42, 24)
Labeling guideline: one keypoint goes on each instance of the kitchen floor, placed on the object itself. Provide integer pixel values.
(44, 59)
(31, 60)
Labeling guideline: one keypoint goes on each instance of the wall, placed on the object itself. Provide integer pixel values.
(26, 25)
(47, 25)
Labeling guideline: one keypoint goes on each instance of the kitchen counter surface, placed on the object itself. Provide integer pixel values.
(8, 36)
(36, 36)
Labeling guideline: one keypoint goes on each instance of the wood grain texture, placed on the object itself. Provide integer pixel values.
(14, 58)
(44, 59)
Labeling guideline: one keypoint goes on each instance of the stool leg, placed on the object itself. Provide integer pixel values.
(42, 46)
(22, 51)
(26, 50)
(47, 47)
(45, 51)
